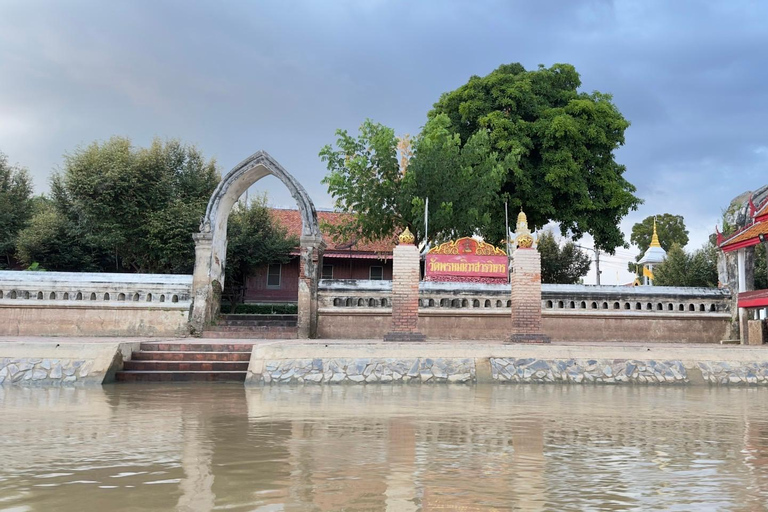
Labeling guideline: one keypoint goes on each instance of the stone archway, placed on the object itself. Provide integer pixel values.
(211, 243)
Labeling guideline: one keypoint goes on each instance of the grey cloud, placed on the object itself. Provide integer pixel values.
(235, 77)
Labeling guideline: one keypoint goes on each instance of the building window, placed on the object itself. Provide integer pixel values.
(377, 273)
(273, 275)
(327, 272)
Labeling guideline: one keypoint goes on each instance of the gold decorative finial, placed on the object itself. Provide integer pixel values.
(522, 219)
(523, 239)
(655, 237)
(406, 237)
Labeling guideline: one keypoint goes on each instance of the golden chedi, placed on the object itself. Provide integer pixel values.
(524, 239)
(406, 237)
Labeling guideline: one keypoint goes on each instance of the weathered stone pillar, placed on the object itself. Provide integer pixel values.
(202, 291)
(526, 297)
(310, 265)
(405, 291)
(756, 332)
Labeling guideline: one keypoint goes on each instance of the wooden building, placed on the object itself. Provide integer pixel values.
(352, 259)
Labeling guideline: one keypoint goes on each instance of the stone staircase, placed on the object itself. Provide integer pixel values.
(176, 362)
(253, 327)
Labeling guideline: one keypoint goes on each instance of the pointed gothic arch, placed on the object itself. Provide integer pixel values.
(211, 243)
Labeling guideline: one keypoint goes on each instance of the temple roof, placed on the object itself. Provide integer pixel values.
(655, 252)
(291, 220)
(750, 234)
(747, 237)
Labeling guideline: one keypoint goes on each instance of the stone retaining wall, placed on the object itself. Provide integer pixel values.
(54, 364)
(369, 370)
(368, 363)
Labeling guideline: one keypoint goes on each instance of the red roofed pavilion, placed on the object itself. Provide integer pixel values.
(350, 259)
(754, 233)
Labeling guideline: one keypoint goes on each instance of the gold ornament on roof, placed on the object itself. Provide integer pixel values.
(524, 239)
(655, 239)
(406, 237)
(467, 245)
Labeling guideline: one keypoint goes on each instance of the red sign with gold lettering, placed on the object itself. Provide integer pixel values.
(466, 257)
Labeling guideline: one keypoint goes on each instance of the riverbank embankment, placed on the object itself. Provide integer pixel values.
(93, 361)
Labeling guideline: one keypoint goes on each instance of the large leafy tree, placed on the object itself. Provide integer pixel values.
(116, 207)
(557, 143)
(253, 239)
(15, 207)
(670, 228)
(561, 265)
(525, 137)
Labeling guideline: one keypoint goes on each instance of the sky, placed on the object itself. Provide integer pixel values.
(281, 76)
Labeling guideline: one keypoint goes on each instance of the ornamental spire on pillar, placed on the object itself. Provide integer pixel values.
(523, 240)
(655, 237)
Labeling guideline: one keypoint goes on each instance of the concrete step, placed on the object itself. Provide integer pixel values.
(162, 376)
(186, 366)
(156, 355)
(250, 335)
(196, 347)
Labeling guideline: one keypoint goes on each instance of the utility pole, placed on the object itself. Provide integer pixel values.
(597, 266)
(597, 262)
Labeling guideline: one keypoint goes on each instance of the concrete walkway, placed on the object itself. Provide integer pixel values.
(367, 342)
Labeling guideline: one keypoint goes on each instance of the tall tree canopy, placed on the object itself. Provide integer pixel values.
(561, 265)
(670, 228)
(15, 207)
(526, 137)
(116, 207)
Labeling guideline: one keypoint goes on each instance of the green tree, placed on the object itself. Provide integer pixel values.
(670, 228)
(557, 144)
(526, 137)
(698, 269)
(49, 241)
(561, 265)
(462, 183)
(253, 239)
(117, 207)
(15, 207)
(364, 178)
(761, 274)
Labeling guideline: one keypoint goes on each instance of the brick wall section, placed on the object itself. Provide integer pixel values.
(526, 298)
(405, 295)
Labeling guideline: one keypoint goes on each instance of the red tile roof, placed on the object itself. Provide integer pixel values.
(291, 221)
(746, 237)
(762, 211)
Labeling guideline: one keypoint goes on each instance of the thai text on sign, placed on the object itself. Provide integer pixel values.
(466, 257)
(467, 266)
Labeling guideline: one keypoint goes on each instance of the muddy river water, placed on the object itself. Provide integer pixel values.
(401, 448)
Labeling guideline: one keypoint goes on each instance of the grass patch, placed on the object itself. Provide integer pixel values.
(260, 309)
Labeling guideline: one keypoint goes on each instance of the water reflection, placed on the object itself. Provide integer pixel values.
(402, 448)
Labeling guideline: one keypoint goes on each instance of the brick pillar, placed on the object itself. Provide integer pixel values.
(405, 295)
(526, 297)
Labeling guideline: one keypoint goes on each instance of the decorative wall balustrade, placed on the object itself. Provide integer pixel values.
(556, 299)
(19, 288)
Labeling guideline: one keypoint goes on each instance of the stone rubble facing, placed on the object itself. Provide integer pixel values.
(721, 372)
(43, 371)
(600, 371)
(512, 370)
(369, 370)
